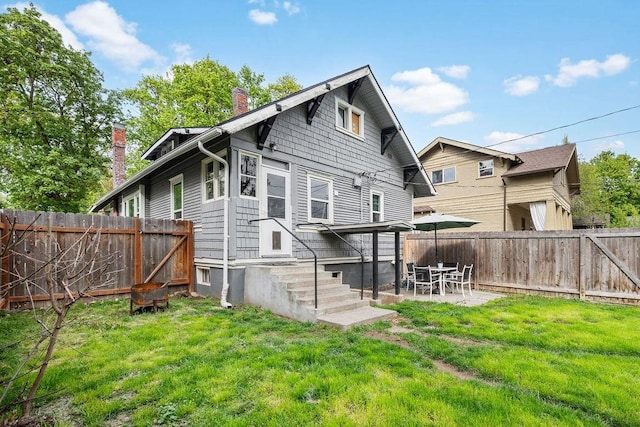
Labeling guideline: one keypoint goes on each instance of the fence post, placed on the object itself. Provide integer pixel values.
(582, 248)
(5, 231)
(190, 257)
(138, 274)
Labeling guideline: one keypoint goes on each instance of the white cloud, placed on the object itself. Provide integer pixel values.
(569, 73)
(455, 119)
(68, 37)
(422, 91)
(496, 137)
(262, 18)
(616, 146)
(455, 71)
(182, 53)
(291, 8)
(521, 86)
(110, 35)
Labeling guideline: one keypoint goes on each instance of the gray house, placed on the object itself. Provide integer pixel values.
(326, 175)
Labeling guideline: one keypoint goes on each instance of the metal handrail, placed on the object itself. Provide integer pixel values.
(352, 247)
(315, 257)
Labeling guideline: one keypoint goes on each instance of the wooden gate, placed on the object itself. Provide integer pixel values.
(133, 250)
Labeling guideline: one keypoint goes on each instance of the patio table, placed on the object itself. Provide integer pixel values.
(440, 270)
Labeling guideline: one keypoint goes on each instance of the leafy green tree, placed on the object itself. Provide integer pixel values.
(192, 95)
(55, 117)
(610, 185)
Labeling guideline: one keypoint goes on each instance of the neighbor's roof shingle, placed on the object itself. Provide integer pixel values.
(545, 159)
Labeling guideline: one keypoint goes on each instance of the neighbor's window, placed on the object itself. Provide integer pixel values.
(485, 168)
(320, 199)
(349, 118)
(248, 175)
(377, 206)
(176, 197)
(442, 176)
(213, 177)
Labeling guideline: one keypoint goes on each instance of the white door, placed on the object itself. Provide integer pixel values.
(275, 203)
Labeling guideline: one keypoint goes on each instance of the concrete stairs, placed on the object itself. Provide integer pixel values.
(291, 294)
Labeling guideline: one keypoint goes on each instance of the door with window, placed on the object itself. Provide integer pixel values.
(275, 202)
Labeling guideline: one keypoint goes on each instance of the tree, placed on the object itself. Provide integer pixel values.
(610, 185)
(192, 95)
(55, 117)
(72, 272)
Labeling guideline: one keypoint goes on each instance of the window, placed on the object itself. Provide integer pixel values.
(203, 276)
(133, 204)
(248, 175)
(377, 206)
(442, 176)
(485, 168)
(320, 199)
(176, 197)
(349, 118)
(213, 176)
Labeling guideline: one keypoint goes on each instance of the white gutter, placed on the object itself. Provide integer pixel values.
(225, 245)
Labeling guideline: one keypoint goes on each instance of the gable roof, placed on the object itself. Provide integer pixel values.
(550, 159)
(542, 160)
(184, 133)
(369, 89)
(440, 141)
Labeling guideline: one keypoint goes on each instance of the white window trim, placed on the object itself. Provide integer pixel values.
(201, 272)
(329, 219)
(140, 208)
(217, 180)
(173, 181)
(371, 212)
(258, 161)
(455, 177)
(493, 168)
(349, 109)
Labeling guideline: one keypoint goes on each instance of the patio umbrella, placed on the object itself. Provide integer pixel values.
(436, 221)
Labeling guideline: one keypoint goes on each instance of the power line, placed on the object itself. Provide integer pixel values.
(607, 136)
(564, 126)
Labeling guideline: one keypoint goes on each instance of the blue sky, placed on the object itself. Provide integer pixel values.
(477, 71)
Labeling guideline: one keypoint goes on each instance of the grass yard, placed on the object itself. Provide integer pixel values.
(514, 361)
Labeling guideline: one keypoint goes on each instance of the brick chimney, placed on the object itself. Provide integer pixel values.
(118, 144)
(240, 101)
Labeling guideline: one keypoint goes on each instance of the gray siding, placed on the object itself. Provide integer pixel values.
(319, 149)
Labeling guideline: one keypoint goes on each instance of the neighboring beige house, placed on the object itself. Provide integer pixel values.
(506, 192)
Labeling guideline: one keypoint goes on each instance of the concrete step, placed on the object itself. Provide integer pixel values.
(305, 282)
(326, 298)
(309, 290)
(298, 276)
(358, 316)
(338, 306)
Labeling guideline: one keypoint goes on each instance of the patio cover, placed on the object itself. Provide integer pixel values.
(375, 228)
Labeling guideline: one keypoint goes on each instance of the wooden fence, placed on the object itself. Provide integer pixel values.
(595, 265)
(116, 251)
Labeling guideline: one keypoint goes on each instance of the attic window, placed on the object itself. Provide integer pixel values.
(485, 168)
(349, 119)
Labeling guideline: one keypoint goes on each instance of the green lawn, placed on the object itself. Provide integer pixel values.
(526, 361)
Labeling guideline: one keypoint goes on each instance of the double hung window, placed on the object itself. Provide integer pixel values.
(320, 199)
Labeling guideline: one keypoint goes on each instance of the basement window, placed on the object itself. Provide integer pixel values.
(203, 276)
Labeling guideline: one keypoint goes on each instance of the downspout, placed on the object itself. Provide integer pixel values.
(504, 205)
(225, 241)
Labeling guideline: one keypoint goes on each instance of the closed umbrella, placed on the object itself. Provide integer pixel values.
(436, 221)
